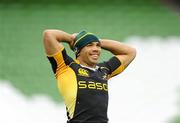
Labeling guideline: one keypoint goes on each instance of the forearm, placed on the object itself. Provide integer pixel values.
(51, 39)
(58, 35)
(116, 47)
(124, 53)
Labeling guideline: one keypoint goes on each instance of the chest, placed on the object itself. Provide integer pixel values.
(91, 80)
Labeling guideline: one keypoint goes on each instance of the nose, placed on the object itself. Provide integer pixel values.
(96, 48)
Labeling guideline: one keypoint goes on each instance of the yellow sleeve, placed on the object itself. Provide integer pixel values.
(118, 69)
(59, 61)
(114, 66)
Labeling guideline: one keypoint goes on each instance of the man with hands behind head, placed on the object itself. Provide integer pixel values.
(83, 82)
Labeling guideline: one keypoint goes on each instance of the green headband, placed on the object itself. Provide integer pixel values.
(82, 39)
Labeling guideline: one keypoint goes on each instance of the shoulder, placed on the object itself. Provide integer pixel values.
(60, 60)
(113, 66)
(112, 62)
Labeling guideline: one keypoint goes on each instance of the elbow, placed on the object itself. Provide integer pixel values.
(133, 53)
(47, 35)
(51, 34)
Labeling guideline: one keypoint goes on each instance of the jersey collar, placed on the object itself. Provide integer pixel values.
(90, 68)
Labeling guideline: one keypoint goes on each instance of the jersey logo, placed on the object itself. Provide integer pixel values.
(93, 85)
(105, 76)
(83, 72)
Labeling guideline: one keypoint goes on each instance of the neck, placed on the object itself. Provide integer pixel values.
(88, 65)
(91, 65)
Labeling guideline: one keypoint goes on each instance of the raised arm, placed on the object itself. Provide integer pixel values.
(51, 39)
(124, 53)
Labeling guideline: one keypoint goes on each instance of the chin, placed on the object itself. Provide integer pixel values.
(94, 61)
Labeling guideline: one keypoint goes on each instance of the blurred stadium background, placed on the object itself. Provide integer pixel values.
(149, 89)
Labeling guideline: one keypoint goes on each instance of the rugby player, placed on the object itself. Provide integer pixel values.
(83, 82)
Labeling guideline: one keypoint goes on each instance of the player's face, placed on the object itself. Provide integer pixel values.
(90, 53)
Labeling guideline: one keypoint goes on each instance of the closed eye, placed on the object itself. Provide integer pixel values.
(98, 44)
(90, 44)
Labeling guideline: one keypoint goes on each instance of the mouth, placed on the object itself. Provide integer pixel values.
(94, 56)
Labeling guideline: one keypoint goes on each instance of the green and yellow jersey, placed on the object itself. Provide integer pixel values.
(84, 89)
